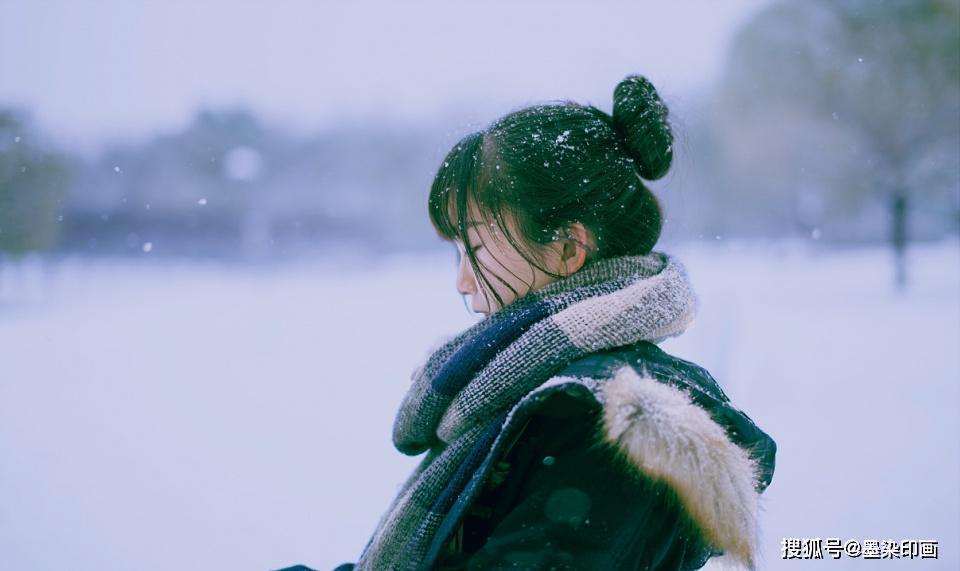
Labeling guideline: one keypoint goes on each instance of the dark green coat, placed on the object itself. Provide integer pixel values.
(662, 474)
(564, 498)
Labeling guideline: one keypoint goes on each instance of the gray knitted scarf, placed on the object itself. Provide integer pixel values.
(459, 398)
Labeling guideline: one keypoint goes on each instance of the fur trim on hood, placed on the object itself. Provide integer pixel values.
(667, 437)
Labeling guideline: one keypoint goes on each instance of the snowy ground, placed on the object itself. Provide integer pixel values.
(193, 416)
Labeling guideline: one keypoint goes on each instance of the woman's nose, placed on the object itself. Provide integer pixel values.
(465, 282)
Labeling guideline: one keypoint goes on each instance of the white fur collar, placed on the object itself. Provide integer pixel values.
(660, 431)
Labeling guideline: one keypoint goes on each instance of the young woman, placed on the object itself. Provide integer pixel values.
(557, 434)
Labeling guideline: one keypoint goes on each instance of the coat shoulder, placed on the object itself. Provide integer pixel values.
(567, 500)
(669, 420)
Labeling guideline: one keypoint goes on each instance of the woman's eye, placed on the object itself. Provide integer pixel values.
(475, 248)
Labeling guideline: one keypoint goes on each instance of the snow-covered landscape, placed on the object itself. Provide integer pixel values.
(183, 415)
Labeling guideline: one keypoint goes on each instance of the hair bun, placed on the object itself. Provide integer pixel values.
(640, 118)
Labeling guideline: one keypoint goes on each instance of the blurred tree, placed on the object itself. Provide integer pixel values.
(832, 107)
(33, 183)
(230, 185)
(185, 192)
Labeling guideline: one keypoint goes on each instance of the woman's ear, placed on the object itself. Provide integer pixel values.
(574, 253)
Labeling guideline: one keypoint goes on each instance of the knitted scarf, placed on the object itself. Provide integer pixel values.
(459, 398)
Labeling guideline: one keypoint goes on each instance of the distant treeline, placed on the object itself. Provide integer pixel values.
(227, 185)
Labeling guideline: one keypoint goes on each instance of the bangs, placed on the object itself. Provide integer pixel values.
(456, 184)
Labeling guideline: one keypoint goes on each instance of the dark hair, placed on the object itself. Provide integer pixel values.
(550, 165)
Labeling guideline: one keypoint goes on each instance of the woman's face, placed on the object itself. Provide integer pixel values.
(498, 258)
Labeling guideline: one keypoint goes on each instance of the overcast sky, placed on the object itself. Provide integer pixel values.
(92, 71)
